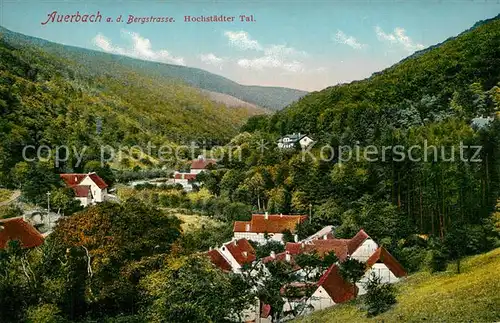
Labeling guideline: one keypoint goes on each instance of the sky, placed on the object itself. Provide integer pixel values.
(307, 45)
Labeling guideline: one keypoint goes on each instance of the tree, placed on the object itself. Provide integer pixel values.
(63, 200)
(455, 242)
(39, 180)
(352, 270)
(213, 296)
(104, 172)
(379, 296)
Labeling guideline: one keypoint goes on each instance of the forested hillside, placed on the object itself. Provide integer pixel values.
(273, 98)
(431, 99)
(49, 100)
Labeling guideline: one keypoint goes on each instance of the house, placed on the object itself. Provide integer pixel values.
(266, 226)
(383, 265)
(361, 246)
(332, 289)
(87, 187)
(233, 255)
(201, 164)
(290, 141)
(324, 233)
(197, 166)
(16, 229)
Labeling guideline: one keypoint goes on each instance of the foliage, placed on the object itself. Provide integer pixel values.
(213, 295)
(471, 296)
(379, 296)
(352, 270)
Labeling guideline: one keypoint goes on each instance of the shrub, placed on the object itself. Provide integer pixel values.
(379, 296)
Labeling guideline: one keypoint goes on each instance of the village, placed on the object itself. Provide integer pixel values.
(239, 254)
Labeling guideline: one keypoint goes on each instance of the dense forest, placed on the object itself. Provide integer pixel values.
(50, 100)
(132, 261)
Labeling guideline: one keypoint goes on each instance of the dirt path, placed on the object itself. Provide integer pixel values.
(12, 198)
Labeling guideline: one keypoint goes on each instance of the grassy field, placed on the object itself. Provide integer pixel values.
(5, 194)
(472, 296)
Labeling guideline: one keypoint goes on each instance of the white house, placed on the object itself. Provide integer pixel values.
(332, 289)
(361, 246)
(233, 255)
(383, 265)
(89, 188)
(266, 226)
(197, 166)
(289, 141)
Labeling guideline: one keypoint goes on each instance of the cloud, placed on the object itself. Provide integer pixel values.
(271, 62)
(141, 48)
(398, 37)
(211, 59)
(242, 40)
(342, 38)
(272, 56)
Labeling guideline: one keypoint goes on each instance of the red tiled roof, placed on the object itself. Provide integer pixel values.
(202, 163)
(187, 176)
(81, 190)
(321, 246)
(72, 179)
(339, 290)
(242, 251)
(382, 255)
(275, 223)
(98, 180)
(18, 229)
(218, 260)
(357, 241)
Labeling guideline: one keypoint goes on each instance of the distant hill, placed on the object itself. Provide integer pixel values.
(273, 98)
(54, 100)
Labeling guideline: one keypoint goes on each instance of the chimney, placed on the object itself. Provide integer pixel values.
(76, 179)
(273, 255)
(266, 215)
(245, 254)
(302, 245)
(296, 238)
(325, 237)
(235, 243)
(288, 257)
(247, 227)
(281, 215)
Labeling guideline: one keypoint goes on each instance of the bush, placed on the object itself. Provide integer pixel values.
(379, 296)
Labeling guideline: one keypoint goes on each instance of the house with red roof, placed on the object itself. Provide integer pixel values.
(361, 246)
(16, 229)
(233, 255)
(266, 226)
(201, 164)
(89, 188)
(383, 265)
(197, 166)
(332, 289)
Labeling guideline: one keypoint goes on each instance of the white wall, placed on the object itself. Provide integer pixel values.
(305, 142)
(258, 237)
(98, 194)
(365, 250)
(84, 201)
(229, 257)
(380, 270)
(320, 299)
